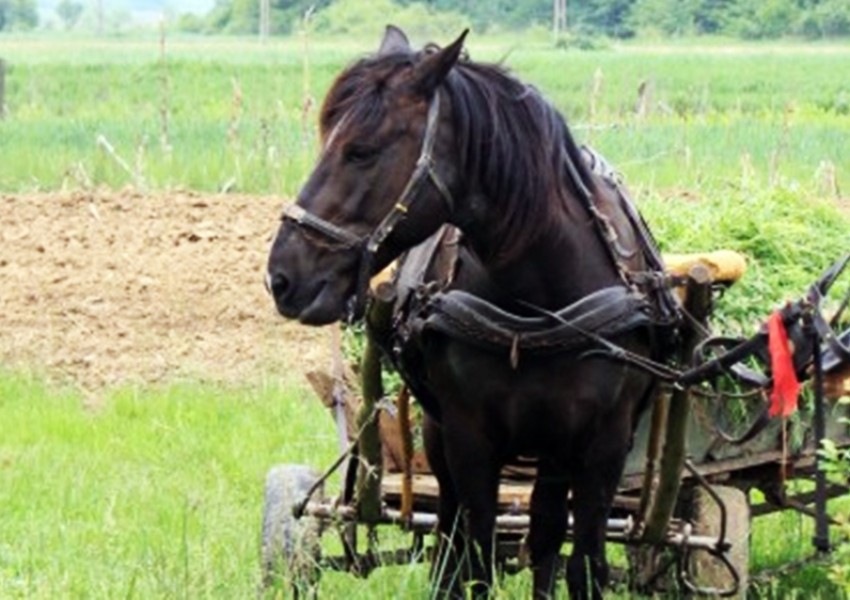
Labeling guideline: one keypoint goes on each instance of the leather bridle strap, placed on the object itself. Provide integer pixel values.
(424, 167)
(370, 244)
(308, 220)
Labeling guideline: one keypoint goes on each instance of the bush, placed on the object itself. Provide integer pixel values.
(362, 18)
(769, 19)
(834, 17)
(190, 23)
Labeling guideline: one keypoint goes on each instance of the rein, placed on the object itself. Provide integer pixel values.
(368, 246)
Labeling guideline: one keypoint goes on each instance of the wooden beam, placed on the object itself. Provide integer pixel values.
(370, 471)
(663, 501)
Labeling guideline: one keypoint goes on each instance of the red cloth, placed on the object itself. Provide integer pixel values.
(786, 388)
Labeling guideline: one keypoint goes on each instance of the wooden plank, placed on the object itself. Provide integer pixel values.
(836, 383)
(802, 499)
(724, 266)
(513, 497)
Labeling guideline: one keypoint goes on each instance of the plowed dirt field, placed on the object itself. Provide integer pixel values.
(105, 288)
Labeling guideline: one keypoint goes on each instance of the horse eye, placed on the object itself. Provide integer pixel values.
(361, 154)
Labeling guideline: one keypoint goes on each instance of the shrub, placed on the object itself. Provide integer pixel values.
(361, 17)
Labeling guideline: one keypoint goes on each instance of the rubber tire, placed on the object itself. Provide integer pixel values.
(706, 518)
(291, 548)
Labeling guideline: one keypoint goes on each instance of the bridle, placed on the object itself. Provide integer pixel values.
(368, 245)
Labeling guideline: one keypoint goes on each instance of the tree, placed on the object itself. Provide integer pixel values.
(18, 14)
(604, 16)
(243, 16)
(69, 11)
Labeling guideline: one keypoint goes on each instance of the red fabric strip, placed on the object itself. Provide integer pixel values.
(786, 388)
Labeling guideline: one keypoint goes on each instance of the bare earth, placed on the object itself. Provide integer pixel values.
(105, 288)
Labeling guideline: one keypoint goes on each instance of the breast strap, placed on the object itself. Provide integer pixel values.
(604, 313)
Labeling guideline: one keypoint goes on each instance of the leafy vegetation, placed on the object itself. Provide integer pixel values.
(753, 19)
(351, 17)
(17, 15)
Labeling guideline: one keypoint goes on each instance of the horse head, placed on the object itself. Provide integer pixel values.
(380, 186)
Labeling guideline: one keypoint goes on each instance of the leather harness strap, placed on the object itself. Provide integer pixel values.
(308, 220)
(425, 169)
(604, 313)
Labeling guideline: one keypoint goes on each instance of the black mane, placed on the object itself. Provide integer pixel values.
(513, 144)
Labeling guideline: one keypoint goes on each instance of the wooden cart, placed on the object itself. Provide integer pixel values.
(683, 500)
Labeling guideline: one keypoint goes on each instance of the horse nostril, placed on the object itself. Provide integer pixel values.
(277, 284)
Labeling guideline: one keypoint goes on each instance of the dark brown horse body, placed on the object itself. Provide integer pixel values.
(494, 163)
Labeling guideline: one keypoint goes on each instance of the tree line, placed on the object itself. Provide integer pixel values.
(749, 19)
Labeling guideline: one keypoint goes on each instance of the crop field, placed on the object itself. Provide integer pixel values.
(146, 384)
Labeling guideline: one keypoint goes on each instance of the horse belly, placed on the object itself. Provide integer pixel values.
(546, 405)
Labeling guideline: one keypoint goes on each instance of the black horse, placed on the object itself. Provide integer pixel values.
(413, 140)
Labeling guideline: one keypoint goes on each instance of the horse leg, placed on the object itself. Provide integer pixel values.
(445, 567)
(594, 487)
(548, 526)
(474, 473)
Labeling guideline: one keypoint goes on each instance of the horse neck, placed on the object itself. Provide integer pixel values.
(563, 264)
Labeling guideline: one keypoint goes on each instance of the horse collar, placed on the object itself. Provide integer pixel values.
(370, 244)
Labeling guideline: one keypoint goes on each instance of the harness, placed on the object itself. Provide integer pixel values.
(368, 245)
(644, 300)
(602, 314)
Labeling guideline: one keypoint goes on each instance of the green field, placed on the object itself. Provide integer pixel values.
(209, 114)
(156, 492)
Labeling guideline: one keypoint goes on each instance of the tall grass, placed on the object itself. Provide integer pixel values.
(785, 112)
(157, 493)
(153, 493)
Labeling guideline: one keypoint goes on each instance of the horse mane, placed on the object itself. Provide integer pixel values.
(357, 92)
(512, 141)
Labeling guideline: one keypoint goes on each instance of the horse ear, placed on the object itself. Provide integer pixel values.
(395, 42)
(434, 68)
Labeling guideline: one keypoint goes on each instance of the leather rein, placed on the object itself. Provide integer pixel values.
(368, 245)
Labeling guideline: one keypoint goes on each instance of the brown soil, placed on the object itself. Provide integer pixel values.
(105, 288)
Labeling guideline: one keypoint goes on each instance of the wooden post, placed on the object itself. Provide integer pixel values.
(403, 405)
(663, 501)
(559, 18)
(2, 88)
(378, 323)
(99, 14)
(265, 20)
(660, 408)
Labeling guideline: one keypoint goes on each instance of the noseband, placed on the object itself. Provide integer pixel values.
(369, 245)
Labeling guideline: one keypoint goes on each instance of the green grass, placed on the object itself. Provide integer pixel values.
(157, 493)
(236, 109)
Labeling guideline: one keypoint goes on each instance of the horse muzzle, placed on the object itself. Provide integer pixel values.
(310, 302)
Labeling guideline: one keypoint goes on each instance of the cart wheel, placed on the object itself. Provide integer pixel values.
(708, 571)
(290, 547)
